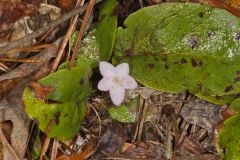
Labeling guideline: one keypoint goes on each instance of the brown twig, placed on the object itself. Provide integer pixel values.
(4, 68)
(140, 110)
(81, 32)
(21, 60)
(30, 49)
(143, 117)
(45, 147)
(44, 36)
(169, 152)
(224, 5)
(7, 46)
(66, 38)
(54, 149)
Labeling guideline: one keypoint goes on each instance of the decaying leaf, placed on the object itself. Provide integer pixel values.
(11, 11)
(19, 134)
(203, 114)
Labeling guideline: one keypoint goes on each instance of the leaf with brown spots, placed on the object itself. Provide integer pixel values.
(61, 110)
(196, 73)
(179, 47)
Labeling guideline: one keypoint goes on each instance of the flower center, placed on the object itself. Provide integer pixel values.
(117, 81)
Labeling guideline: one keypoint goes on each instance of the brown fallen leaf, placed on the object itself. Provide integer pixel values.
(19, 135)
(6, 127)
(222, 4)
(143, 151)
(191, 146)
(90, 147)
(65, 5)
(111, 141)
(199, 157)
(11, 11)
(6, 151)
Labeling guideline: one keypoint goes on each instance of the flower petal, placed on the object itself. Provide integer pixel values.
(105, 84)
(122, 69)
(117, 95)
(106, 69)
(129, 82)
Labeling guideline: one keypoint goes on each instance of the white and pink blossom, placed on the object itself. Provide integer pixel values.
(116, 80)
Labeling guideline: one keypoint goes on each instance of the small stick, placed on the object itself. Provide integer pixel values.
(81, 32)
(45, 147)
(54, 149)
(140, 110)
(183, 135)
(30, 49)
(4, 68)
(169, 141)
(21, 60)
(45, 35)
(66, 38)
(143, 117)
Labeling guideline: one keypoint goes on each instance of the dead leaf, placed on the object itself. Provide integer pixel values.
(199, 157)
(192, 146)
(144, 151)
(19, 135)
(65, 5)
(6, 128)
(111, 141)
(11, 11)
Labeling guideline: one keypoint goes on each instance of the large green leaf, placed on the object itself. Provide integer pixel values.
(229, 138)
(176, 47)
(106, 29)
(60, 115)
(178, 73)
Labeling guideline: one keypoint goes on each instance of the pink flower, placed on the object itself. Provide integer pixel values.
(116, 80)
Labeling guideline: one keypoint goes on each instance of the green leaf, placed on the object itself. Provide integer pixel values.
(106, 29)
(125, 113)
(178, 74)
(229, 138)
(62, 112)
(220, 100)
(89, 50)
(175, 47)
(69, 84)
(235, 105)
